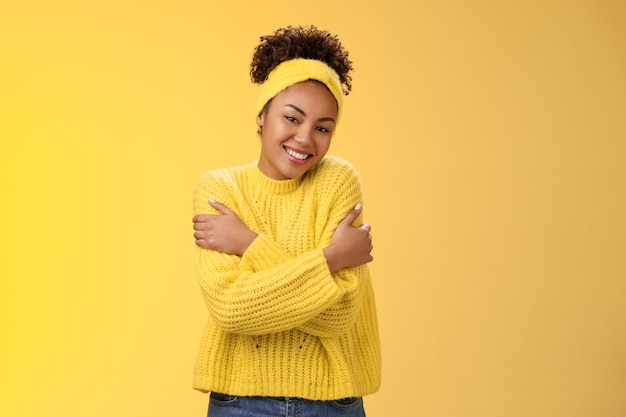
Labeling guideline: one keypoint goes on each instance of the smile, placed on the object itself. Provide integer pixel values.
(297, 155)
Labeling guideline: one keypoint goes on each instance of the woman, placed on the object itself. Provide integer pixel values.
(283, 252)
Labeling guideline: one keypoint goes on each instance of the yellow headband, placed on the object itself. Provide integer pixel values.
(296, 70)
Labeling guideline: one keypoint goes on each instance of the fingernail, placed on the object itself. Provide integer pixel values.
(211, 200)
(357, 207)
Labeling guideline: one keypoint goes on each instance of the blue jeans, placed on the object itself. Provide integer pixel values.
(221, 405)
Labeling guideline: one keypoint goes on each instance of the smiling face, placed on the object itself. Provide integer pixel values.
(296, 129)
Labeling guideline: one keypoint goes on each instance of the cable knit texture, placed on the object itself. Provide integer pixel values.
(280, 324)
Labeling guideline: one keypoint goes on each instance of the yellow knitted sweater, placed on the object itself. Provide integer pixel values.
(280, 324)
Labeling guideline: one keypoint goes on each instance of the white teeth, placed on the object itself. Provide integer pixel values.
(297, 155)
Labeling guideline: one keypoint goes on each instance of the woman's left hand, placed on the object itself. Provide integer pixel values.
(224, 232)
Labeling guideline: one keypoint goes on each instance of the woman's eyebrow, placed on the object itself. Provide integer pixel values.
(296, 108)
(302, 112)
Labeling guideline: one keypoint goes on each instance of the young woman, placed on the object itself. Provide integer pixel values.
(283, 251)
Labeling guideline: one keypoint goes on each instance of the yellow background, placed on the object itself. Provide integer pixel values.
(490, 137)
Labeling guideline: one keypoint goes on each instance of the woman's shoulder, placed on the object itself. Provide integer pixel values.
(222, 175)
(219, 183)
(331, 164)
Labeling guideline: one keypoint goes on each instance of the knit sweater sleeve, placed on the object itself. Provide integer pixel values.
(268, 301)
(267, 290)
(341, 313)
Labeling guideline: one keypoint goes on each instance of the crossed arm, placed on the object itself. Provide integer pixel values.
(225, 232)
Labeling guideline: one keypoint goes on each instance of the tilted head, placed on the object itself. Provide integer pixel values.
(296, 54)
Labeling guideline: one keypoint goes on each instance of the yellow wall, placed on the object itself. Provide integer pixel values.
(490, 136)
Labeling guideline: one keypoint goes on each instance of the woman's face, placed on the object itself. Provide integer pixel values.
(296, 129)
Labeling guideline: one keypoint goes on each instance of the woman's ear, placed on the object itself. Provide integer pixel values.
(259, 123)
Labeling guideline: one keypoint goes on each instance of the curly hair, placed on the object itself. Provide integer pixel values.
(301, 42)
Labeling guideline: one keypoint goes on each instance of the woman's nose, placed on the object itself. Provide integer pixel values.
(303, 135)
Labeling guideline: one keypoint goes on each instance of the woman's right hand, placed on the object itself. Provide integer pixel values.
(350, 246)
(224, 232)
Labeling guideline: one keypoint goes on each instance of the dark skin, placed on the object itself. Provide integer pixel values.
(350, 246)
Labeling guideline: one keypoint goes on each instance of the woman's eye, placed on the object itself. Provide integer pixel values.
(291, 119)
(323, 129)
